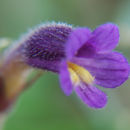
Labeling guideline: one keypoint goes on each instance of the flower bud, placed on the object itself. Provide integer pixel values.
(44, 47)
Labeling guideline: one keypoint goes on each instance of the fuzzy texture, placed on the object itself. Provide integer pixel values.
(45, 47)
(89, 52)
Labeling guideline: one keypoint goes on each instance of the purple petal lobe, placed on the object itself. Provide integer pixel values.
(91, 96)
(109, 69)
(65, 81)
(76, 40)
(105, 37)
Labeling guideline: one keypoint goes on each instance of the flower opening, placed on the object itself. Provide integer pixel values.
(78, 73)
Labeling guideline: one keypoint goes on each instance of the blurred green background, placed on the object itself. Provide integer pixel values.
(44, 106)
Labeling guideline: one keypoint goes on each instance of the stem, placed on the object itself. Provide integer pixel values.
(32, 81)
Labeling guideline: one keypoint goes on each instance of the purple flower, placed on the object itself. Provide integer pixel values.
(82, 59)
(90, 61)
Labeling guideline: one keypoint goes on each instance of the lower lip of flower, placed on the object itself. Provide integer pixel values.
(79, 74)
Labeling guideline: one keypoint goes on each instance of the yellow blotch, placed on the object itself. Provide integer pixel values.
(82, 73)
(74, 77)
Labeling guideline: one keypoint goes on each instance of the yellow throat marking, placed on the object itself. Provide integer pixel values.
(78, 73)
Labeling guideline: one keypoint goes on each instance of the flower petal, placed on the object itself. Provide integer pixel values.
(65, 81)
(91, 96)
(86, 51)
(109, 69)
(105, 37)
(76, 40)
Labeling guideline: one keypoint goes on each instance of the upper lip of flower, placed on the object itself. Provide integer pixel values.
(93, 51)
